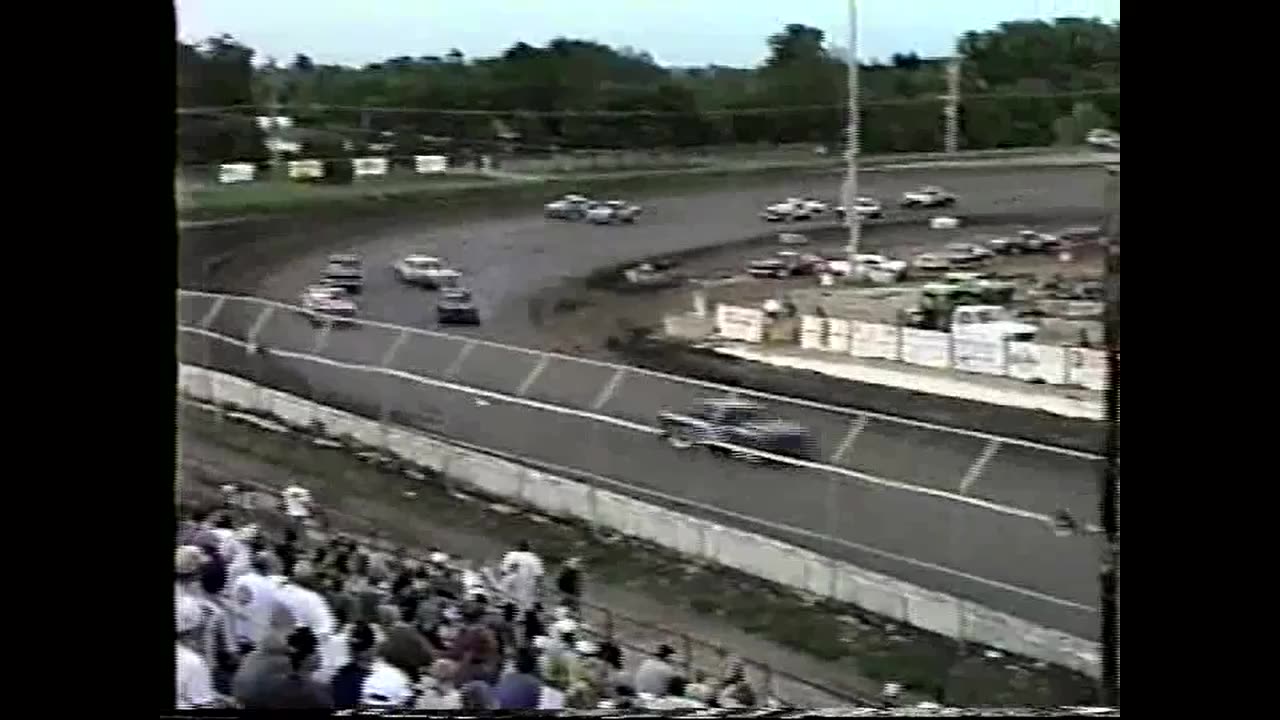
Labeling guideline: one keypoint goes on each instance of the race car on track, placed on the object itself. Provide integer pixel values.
(744, 425)
(327, 303)
(786, 263)
(1034, 242)
(865, 207)
(423, 270)
(455, 306)
(931, 262)
(569, 207)
(791, 209)
(960, 254)
(345, 270)
(607, 213)
(928, 196)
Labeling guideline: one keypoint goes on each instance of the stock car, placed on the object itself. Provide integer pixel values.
(456, 306)
(327, 303)
(865, 207)
(793, 209)
(569, 207)
(345, 270)
(607, 213)
(785, 263)
(735, 427)
(423, 270)
(928, 196)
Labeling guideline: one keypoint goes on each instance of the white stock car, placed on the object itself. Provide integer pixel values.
(865, 207)
(928, 196)
(327, 303)
(606, 213)
(424, 270)
(569, 207)
(788, 210)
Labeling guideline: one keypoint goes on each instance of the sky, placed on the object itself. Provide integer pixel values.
(679, 33)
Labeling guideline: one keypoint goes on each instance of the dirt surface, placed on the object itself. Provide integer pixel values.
(862, 652)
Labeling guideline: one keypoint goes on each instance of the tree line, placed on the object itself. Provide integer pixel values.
(1024, 83)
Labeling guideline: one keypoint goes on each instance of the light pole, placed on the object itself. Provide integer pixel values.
(852, 219)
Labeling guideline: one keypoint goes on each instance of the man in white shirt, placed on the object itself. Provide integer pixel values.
(522, 572)
(194, 682)
(253, 594)
(309, 608)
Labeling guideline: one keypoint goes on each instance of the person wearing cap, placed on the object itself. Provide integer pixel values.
(439, 688)
(269, 658)
(336, 653)
(522, 573)
(520, 689)
(194, 681)
(475, 648)
(655, 673)
(292, 687)
(405, 647)
(213, 640)
(569, 583)
(676, 697)
(348, 679)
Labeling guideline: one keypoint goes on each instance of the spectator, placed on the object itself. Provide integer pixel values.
(520, 689)
(287, 550)
(270, 658)
(655, 673)
(241, 551)
(522, 573)
(676, 697)
(309, 609)
(569, 583)
(297, 503)
(475, 649)
(441, 636)
(212, 639)
(439, 688)
(197, 530)
(253, 595)
(387, 685)
(405, 648)
(624, 698)
(349, 678)
(532, 622)
(477, 695)
(294, 689)
(503, 626)
(194, 681)
(700, 689)
(735, 692)
(610, 652)
(581, 696)
(213, 572)
(335, 654)
(589, 668)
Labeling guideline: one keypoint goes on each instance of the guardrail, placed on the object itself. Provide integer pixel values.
(600, 621)
(779, 562)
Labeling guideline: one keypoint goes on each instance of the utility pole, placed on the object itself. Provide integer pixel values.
(273, 138)
(852, 219)
(1110, 566)
(951, 111)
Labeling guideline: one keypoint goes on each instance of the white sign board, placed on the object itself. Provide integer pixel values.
(236, 172)
(1037, 363)
(812, 329)
(873, 340)
(364, 167)
(1087, 368)
(925, 347)
(306, 169)
(267, 123)
(428, 164)
(739, 323)
(978, 355)
(838, 336)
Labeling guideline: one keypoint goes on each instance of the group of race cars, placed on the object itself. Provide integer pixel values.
(799, 209)
(332, 300)
(596, 212)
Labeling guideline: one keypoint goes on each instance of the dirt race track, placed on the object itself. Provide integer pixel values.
(1009, 563)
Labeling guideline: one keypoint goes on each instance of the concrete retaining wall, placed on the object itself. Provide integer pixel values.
(706, 541)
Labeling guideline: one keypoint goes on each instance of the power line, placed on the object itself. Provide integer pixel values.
(891, 102)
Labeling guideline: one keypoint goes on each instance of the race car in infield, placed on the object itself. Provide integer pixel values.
(345, 270)
(424, 271)
(612, 211)
(866, 207)
(928, 196)
(456, 306)
(324, 303)
(736, 428)
(794, 209)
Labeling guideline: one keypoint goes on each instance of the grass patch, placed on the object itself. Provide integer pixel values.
(860, 643)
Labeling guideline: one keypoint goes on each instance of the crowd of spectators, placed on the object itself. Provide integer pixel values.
(289, 618)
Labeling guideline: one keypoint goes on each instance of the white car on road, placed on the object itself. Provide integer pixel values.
(931, 261)
(606, 213)
(928, 196)
(327, 302)
(569, 207)
(1103, 139)
(865, 207)
(424, 270)
(789, 210)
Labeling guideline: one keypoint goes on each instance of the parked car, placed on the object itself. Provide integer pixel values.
(456, 306)
(736, 427)
(928, 196)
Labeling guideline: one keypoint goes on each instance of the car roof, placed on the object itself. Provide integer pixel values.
(343, 257)
(421, 258)
(731, 403)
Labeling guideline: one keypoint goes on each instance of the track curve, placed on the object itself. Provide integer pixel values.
(990, 559)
